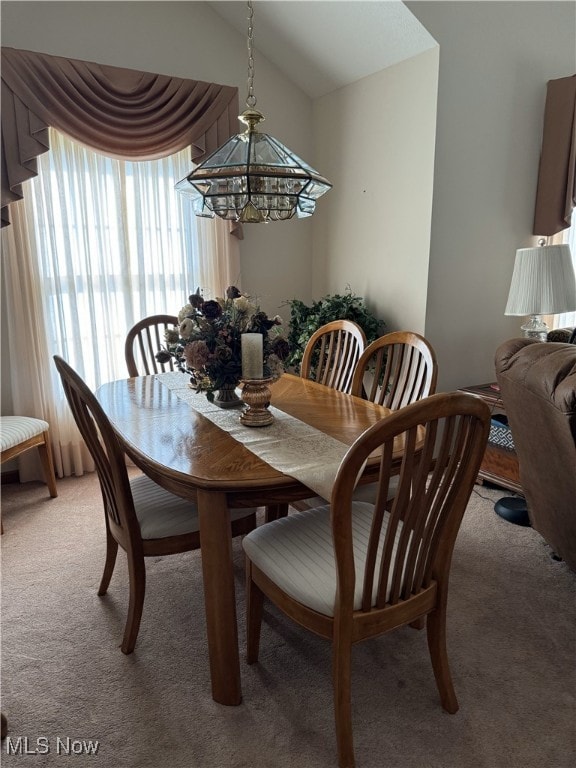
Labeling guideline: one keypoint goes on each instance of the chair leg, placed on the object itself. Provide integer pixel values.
(275, 511)
(420, 623)
(254, 610)
(341, 677)
(137, 576)
(45, 452)
(111, 551)
(436, 633)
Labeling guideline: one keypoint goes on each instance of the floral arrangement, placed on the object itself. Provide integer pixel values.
(207, 342)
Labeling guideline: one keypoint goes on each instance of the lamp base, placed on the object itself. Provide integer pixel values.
(535, 328)
(513, 509)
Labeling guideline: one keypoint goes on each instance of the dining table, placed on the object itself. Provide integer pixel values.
(195, 450)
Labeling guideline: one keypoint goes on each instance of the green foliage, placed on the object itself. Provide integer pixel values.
(304, 320)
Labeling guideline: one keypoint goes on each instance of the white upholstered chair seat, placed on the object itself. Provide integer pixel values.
(162, 514)
(296, 552)
(19, 434)
(366, 493)
(17, 429)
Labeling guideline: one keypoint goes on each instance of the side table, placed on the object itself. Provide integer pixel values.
(499, 465)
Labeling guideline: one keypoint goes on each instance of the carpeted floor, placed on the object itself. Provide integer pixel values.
(511, 638)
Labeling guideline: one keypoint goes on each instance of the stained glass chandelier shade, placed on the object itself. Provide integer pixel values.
(253, 177)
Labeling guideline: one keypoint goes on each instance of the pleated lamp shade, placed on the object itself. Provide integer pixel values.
(543, 281)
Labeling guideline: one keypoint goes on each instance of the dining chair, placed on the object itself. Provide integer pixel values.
(143, 341)
(141, 517)
(19, 434)
(395, 370)
(349, 571)
(330, 357)
(332, 352)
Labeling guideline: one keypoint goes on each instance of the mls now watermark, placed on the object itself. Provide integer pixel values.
(44, 745)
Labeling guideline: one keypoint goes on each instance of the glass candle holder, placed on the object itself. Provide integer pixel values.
(256, 395)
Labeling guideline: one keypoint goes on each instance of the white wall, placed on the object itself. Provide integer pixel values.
(188, 39)
(495, 61)
(375, 143)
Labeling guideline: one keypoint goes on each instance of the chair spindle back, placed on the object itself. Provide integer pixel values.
(332, 353)
(143, 341)
(395, 370)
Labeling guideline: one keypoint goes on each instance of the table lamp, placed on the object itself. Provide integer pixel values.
(543, 283)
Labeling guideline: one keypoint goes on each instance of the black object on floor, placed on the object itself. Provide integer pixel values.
(513, 509)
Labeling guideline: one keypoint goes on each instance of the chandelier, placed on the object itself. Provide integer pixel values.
(253, 178)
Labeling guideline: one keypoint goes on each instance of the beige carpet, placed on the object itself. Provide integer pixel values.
(511, 637)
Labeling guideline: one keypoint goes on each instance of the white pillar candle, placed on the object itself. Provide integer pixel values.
(252, 356)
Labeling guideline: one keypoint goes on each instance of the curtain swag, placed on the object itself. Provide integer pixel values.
(556, 191)
(122, 113)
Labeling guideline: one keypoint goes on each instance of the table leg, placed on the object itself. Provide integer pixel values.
(219, 597)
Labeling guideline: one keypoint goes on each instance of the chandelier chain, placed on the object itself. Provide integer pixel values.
(252, 177)
(250, 99)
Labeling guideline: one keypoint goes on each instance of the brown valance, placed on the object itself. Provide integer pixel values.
(122, 113)
(556, 191)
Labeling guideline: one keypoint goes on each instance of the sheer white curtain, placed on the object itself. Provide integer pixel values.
(96, 245)
(568, 319)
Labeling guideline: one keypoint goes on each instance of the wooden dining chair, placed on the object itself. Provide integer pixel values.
(141, 517)
(331, 354)
(19, 434)
(349, 571)
(143, 341)
(395, 370)
(330, 357)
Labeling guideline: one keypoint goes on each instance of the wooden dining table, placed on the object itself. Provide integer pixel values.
(187, 454)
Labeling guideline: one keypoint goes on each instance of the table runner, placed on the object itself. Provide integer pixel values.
(288, 444)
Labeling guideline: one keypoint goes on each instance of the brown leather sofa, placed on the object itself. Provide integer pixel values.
(538, 388)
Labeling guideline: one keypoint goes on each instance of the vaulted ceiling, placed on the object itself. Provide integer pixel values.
(325, 44)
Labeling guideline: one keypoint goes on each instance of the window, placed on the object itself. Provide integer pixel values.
(114, 243)
(95, 245)
(568, 319)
